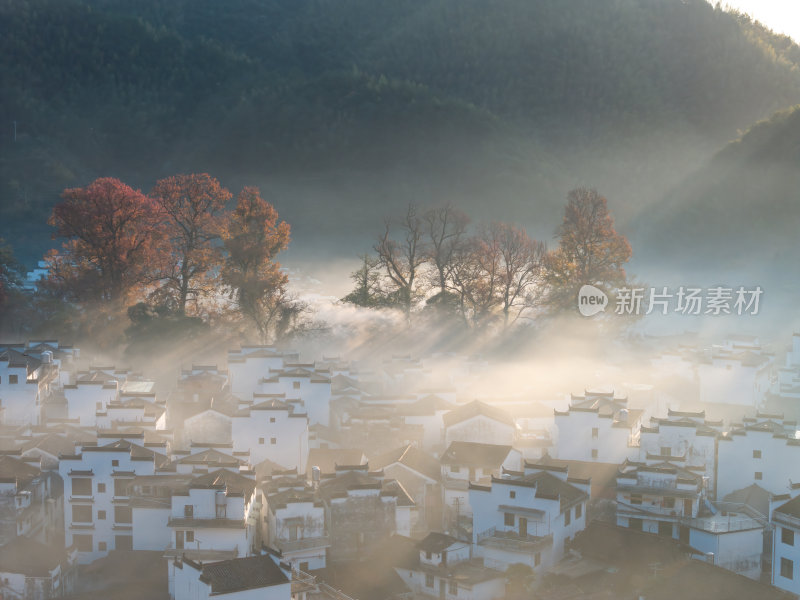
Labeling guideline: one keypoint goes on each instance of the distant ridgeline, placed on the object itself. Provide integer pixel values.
(519, 100)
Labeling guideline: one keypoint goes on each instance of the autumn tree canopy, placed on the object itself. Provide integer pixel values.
(190, 208)
(253, 237)
(590, 250)
(110, 234)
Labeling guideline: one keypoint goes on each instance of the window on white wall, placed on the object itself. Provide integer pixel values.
(787, 536)
(787, 568)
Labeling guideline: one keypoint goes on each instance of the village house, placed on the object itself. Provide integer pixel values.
(271, 429)
(293, 521)
(25, 380)
(251, 578)
(421, 476)
(216, 511)
(303, 382)
(97, 511)
(359, 510)
(658, 498)
(31, 570)
(444, 568)
(688, 435)
(528, 516)
(598, 427)
(250, 364)
(762, 450)
(471, 462)
(785, 517)
(31, 502)
(479, 422)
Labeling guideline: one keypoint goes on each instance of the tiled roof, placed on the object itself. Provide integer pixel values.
(240, 574)
(474, 454)
(411, 457)
(436, 542)
(29, 557)
(222, 478)
(474, 409)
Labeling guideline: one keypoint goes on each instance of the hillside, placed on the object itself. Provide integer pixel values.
(740, 210)
(366, 104)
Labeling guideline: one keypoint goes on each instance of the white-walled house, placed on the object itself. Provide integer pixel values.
(688, 435)
(359, 513)
(655, 498)
(305, 383)
(218, 511)
(444, 568)
(250, 364)
(251, 578)
(97, 511)
(479, 422)
(31, 502)
(528, 516)
(598, 427)
(151, 508)
(88, 397)
(271, 429)
(761, 450)
(294, 521)
(735, 372)
(471, 462)
(785, 517)
(30, 570)
(24, 384)
(421, 476)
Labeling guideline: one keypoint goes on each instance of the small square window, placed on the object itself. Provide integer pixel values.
(428, 554)
(190, 536)
(787, 536)
(594, 453)
(669, 502)
(272, 419)
(759, 476)
(261, 441)
(756, 453)
(101, 515)
(101, 488)
(273, 441)
(508, 519)
(101, 546)
(787, 568)
(188, 511)
(296, 385)
(512, 494)
(115, 463)
(13, 379)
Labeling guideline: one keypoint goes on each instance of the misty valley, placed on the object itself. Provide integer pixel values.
(399, 300)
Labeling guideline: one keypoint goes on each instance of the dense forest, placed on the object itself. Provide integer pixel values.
(337, 110)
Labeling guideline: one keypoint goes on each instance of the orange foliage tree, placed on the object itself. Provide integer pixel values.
(191, 208)
(590, 250)
(253, 237)
(110, 238)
